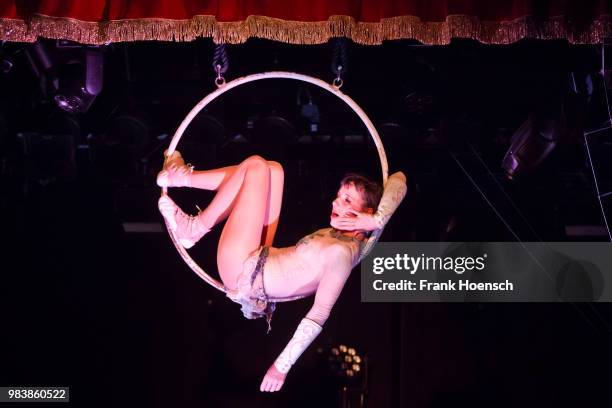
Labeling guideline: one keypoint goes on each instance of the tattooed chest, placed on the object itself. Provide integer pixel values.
(309, 238)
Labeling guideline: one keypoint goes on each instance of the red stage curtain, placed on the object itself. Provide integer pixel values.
(306, 21)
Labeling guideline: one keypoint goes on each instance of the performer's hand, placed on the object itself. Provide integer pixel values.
(273, 380)
(355, 221)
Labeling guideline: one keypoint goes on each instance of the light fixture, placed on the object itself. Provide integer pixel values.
(80, 82)
(344, 362)
(72, 76)
(308, 109)
(530, 145)
(350, 371)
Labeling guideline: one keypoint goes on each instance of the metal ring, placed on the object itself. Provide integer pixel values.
(337, 83)
(219, 81)
(331, 88)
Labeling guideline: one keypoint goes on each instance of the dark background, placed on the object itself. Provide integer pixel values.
(118, 316)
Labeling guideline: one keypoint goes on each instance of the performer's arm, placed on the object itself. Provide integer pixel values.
(329, 289)
(393, 194)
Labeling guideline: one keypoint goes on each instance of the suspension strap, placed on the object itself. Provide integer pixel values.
(339, 63)
(220, 64)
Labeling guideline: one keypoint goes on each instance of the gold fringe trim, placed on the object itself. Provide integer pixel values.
(15, 31)
(299, 32)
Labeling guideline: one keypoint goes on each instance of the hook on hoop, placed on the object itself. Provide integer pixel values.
(219, 80)
(339, 60)
(220, 64)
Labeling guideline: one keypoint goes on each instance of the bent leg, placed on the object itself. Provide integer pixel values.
(249, 191)
(249, 196)
(275, 201)
(219, 208)
(211, 179)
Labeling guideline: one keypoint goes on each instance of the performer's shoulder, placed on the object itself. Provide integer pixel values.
(338, 251)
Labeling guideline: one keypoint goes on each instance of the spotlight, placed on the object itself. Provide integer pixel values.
(71, 76)
(344, 362)
(308, 110)
(350, 371)
(530, 145)
(42, 64)
(79, 83)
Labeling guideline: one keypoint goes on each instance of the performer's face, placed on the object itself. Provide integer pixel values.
(348, 198)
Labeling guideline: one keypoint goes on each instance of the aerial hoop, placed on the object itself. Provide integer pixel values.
(333, 88)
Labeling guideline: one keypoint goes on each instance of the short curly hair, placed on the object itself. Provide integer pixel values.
(371, 190)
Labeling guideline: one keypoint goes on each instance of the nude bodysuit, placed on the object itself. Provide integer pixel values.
(319, 263)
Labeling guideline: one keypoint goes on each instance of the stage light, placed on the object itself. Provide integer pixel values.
(308, 109)
(42, 65)
(80, 83)
(530, 145)
(344, 362)
(72, 76)
(350, 374)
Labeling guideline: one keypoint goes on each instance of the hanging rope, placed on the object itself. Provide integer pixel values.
(220, 63)
(339, 63)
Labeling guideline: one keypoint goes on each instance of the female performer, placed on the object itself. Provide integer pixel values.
(255, 274)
